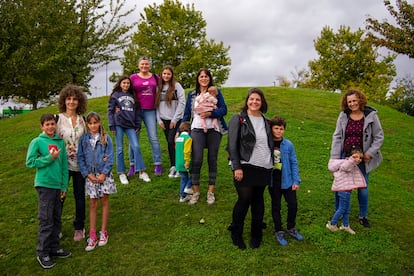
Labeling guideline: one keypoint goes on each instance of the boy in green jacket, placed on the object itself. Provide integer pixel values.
(47, 154)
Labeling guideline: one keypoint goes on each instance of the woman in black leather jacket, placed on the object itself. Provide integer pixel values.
(250, 148)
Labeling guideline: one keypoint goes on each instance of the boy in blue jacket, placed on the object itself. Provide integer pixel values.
(285, 181)
(47, 153)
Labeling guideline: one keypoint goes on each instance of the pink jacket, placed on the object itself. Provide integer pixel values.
(347, 175)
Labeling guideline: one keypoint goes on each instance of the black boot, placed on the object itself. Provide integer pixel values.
(237, 236)
(256, 235)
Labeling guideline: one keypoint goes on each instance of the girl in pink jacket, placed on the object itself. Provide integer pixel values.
(347, 177)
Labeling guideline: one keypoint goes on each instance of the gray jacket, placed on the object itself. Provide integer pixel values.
(372, 140)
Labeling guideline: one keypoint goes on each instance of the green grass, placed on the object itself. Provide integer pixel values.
(151, 233)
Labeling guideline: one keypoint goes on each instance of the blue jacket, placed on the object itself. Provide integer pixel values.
(290, 168)
(91, 160)
(218, 113)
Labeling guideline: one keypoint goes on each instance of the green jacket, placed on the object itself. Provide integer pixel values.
(183, 145)
(50, 173)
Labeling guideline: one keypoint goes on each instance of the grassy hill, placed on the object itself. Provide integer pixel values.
(151, 233)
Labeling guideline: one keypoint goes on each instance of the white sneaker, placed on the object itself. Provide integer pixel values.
(347, 229)
(194, 198)
(144, 176)
(177, 174)
(188, 191)
(185, 199)
(123, 179)
(210, 198)
(172, 172)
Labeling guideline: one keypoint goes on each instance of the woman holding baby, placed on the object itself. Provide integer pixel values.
(204, 133)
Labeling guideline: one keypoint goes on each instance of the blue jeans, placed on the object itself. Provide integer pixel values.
(343, 203)
(363, 193)
(184, 183)
(134, 147)
(149, 117)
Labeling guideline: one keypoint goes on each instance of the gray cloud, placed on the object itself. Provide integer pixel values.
(270, 38)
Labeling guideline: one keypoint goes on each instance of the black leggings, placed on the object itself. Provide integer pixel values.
(210, 140)
(248, 196)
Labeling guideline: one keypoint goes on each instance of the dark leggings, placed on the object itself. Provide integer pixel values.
(170, 137)
(248, 196)
(210, 140)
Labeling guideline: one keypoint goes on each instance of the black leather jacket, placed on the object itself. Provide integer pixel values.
(242, 138)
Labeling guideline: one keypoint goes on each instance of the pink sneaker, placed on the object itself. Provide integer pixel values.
(91, 244)
(79, 235)
(103, 238)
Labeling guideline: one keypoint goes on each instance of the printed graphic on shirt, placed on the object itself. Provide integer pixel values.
(277, 160)
(52, 148)
(126, 103)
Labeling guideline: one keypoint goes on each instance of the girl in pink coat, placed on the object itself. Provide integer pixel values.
(347, 177)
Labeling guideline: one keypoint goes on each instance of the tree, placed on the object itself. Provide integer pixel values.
(400, 38)
(402, 97)
(174, 34)
(49, 43)
(348, 59)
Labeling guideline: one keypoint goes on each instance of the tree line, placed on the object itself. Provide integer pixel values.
(46, 44)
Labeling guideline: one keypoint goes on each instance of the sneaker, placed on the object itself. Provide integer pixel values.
(123, 179)
(172, 172)
(280, 237)
(91, 244)
(103, 238)
(185, 199)
(144, 176)
(60, 253)
(131, 170)
(210, 198)
(194, 198)
(45, 261)
(188, 191)
(79, 235)
(347, 229)
(158, 170)
(177, 175)
(331, 227)
(294, 233)
(364, 222)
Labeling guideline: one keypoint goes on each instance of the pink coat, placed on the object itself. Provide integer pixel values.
(347, 175)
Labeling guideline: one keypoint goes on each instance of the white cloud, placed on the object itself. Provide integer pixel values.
(269, 38)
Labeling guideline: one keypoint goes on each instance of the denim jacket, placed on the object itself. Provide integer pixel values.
(218, 113)
(290, 168)
(91, 160)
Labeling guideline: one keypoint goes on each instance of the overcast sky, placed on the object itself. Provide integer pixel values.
(269, 38)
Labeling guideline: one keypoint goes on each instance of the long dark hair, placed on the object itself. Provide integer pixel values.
(131, 91)
(171, 87)
(208, 73)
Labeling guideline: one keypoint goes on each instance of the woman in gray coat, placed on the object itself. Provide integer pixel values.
(359, 125)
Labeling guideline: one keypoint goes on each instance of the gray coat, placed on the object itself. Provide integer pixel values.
(372, 140)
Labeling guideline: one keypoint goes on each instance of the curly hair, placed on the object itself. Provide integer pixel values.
(359, 94)
(72, 90)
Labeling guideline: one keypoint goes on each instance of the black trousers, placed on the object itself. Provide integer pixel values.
(289, 195)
